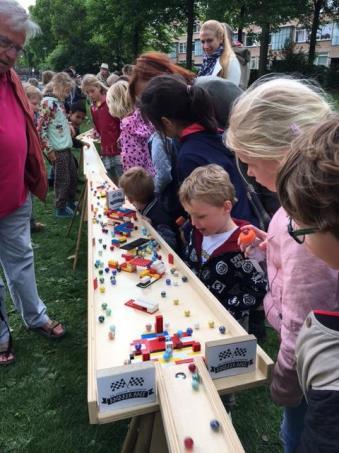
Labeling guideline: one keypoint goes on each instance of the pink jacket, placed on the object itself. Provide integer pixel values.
(135, 133)
(298, 283)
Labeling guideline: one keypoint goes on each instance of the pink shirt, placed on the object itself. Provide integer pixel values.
(13, 150)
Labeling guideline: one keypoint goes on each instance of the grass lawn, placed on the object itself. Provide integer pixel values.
(43, 396)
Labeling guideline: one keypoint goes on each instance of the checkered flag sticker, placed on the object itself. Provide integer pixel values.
(229, 354)
(118, 385)
(135, 381)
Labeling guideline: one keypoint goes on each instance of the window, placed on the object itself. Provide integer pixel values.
(281, 38)
(251, 39)
(196, 27)
(197, 48)
(235, 37)
(325, 32)
(322, 59)
(254, 64)
(182, 47)
(335, 36)
(301, 35)
(173, 51)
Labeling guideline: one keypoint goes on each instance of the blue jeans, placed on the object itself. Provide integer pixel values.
(292, 426)
(17, 261)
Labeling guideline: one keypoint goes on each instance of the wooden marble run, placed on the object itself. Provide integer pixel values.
(210, 427)
(148, 314)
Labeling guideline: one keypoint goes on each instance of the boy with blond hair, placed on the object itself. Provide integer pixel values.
(213, 253)
(138, 186)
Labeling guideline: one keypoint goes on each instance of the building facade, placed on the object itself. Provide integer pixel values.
(327, 49)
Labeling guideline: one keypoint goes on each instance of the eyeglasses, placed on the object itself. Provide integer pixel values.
(299, 235)
(6, 45)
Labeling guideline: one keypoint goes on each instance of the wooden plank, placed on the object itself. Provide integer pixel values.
(187, 413)
(130, 323)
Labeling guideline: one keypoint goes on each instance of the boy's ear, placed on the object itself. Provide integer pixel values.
(228, 206)
(168, 124)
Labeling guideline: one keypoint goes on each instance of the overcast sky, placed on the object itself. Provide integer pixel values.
(26, 3)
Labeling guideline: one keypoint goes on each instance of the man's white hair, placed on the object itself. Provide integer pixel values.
(17, 18)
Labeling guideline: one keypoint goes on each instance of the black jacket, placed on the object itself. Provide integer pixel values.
(321, 424)
(231, 278)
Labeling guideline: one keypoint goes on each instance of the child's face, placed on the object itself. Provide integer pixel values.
(35, 103)
(209, 41)
(64, 93)
(209, 219)
(139, 206)
(94, 93)
(264, 171)
(76, 118)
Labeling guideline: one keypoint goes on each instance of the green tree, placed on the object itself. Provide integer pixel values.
(318, 11)
(84, 33)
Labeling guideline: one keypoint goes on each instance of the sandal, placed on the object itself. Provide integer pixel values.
(7, 357)
(47, 330)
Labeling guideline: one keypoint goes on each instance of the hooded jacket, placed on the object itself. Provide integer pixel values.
(35, 171)
(134, 137)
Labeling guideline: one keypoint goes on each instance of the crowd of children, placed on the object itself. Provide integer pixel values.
(180, 148)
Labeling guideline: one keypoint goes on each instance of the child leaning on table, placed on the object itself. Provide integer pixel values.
(308, 188)
(239, 284)
(138, 186)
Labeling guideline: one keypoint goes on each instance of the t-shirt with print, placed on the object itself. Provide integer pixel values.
(211, 243)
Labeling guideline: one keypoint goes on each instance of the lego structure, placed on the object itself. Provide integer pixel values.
(145, 307)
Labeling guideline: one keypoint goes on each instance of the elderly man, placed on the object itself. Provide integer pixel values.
(103, 74)
(22, 172)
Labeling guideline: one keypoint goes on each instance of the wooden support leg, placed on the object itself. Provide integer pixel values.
(82, 218)
(158, 442)
(140, 435)
(78, 208)
(145, 434)
(131, 436)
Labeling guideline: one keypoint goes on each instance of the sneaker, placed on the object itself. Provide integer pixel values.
(63, 213)
(36, 227)
(72, 205)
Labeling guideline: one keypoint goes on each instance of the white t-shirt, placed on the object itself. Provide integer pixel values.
(211, 243)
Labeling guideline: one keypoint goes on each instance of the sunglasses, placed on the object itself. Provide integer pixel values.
(299, 234)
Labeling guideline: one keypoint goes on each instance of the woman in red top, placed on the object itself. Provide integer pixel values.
(107, 127)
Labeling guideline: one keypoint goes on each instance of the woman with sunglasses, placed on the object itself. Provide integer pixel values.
(263, 123)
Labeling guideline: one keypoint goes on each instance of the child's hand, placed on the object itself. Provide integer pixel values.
(52, 156)
(94, 134)
(73, 133)
(257, 247)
